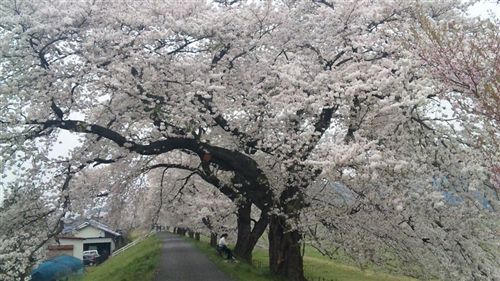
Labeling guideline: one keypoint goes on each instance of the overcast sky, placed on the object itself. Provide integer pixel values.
(485, 8)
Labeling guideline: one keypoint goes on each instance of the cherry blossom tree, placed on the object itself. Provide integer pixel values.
(463, 56)
(272, 94)
(29, 218)
(155, 191)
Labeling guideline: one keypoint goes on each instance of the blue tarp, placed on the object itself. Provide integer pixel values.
(57, 268)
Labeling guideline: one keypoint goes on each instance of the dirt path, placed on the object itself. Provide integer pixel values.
(180, 261)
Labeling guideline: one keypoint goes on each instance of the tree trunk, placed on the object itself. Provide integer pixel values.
(191, 234)
(285, 259)
(244, 225)
(284, 250)
(213, 236)
(197, 236)
(213, 239)
(248, 237)
(181, 231)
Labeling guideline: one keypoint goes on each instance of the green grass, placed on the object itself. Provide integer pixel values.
(140, 261)
(238, 271)
(135, 233)
(137, 263)
(341, 268)
(316, 267)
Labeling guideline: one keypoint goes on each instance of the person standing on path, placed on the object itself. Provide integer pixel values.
(223, 246)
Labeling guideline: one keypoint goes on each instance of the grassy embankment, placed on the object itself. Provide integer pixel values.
(316, 267)
(137, 263)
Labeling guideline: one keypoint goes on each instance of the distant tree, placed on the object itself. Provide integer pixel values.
(29, 218)
(463, 56)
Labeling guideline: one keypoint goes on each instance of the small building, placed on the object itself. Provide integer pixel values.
(71, 246)
(89, 235)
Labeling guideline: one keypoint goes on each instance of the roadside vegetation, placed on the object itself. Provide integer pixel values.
(238, 271)
(316, 266)
(137, 263)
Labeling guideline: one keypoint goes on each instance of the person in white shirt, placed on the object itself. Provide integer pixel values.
(223, 246)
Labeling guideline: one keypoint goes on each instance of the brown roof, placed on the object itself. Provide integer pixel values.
(61, 247)
(71, 238)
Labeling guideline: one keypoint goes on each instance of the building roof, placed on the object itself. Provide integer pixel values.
(71, 238)
(60, 247)
(98, 225)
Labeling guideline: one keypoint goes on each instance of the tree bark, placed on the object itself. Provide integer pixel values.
(181, 231)
(213, 239)
(197, 236)
(244, 226)
(285, 258)
(248, 237)
(213, 236)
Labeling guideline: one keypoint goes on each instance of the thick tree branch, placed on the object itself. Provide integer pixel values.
(320, 127)
(249, 143)
(233, 192)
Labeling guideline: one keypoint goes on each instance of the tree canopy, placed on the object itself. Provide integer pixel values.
(319, 113)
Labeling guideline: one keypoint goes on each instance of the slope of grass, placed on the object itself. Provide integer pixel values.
(316, 267)
(137, 263)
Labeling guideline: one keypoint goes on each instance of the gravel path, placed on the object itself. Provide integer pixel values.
(180, 261)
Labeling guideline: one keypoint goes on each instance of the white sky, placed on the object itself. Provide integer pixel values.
(485, 9)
